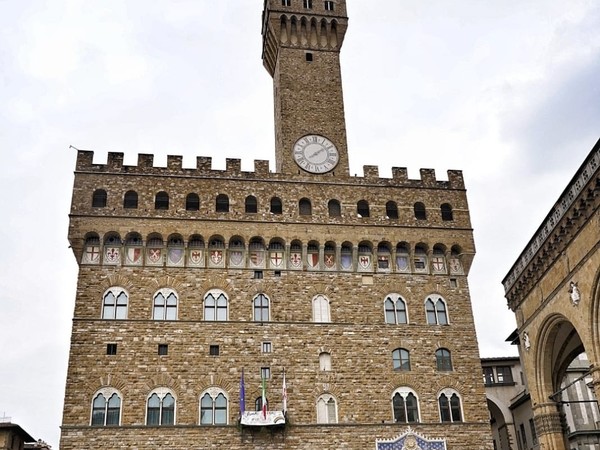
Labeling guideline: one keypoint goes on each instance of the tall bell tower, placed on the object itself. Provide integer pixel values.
(301, 50)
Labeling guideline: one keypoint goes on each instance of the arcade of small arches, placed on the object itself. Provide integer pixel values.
(277, 254)
(222, 204)
(214, 407)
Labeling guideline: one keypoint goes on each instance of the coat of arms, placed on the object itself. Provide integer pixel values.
(364, 261)
(134, 255)
(236, 257)
(296, 260)
(276, 259)
(216, 256)
(112, 255)
(312, 259)
(154, 255)
(92, 254)
(329, 260)
(196, 256)
(175, 255)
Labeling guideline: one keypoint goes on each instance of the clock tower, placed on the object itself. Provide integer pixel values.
(301, 50)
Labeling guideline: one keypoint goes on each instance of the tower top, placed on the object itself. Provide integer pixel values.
(302, 24)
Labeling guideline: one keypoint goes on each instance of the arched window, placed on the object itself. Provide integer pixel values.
(326, 409)
(405, 405)
(114, 305)
(334, 208)
(161, 201)
(160, 408)
(435, 308)
(261, 308)
(130, 200)
(395, 309)
(99, 198)
(222, 203)
(391, 210)
(443, 359)
(106, 408)
(276, 206)
(446, 210)
(258, 403)
(165, 305)
(420, 258)
(362, 208)
(304, 207)
(438, 259)
(215, 306)
(213, 408)
(420, 213)
(251, 205)
(325, 361)
(192, 202)
(320, 307)
(450, 407)
(401, 359)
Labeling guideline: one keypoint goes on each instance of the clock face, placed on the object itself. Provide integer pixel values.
(315, 154)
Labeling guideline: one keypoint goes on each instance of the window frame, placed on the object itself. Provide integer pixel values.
(214, 394)
(168, 309)
(161, 394)
(321, 307)
(258, 311)
(409, 413)
(401, 359)
(116, 306)
(443, 360)
(99, 198)
(218, 310)
(161, 201)
(452, 406)
(328, 411)
(395, 300)
(107, 394)
(434, 313)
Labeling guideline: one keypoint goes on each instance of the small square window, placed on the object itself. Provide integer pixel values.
(307, 4)
(267, 347)
(265, 373)
(277, 273)
(163, 349)
(258, 274)
(329, 6)
(453, 282)
(286, 2)
(213, 350)
(111, 349)
(309, 56)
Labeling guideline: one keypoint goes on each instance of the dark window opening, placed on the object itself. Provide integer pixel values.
(192, 202)
(447, 212)
(309, 57)
(111, 349)
(334, 208)
(276, 207)
(130, 201)
(329, 6)
(251, 205)
(308, 4)
(163, 349)
(391, 210)
(161, 201)
(305, 207)
(362, 209)
(258, 274)
(99, 198)
(222, 203)
(213, 350)
(420, 213)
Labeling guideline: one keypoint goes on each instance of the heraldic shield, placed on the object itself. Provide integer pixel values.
(410, 440)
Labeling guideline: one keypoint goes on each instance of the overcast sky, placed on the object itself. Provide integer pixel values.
(506, 90)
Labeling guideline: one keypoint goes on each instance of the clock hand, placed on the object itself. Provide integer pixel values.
(317, 152)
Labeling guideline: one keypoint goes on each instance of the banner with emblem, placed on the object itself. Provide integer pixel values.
(196, 257)
(216, 257)
(154, 256)
(276, 259)
(364, 262)
(236, 258)
(312, 259)
(175, 256)
(329, 260)
(112, 255)
(438, 264)
(133, 256)
(346, 260)
(296, 260)
(402, 263)
(91, 255)
(257, 258)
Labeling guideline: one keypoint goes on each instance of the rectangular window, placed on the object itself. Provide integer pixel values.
(307, 4)
(111, 349)
(504, 375)
(277, 273)
(286, 2)
(453, 282)
(213, 350)
(258, 274)
(308, 56)
(265, 373)
(267, 347)
(163, 349)
(533, 433)
(328, 6)
(488, 376)
(523, 435)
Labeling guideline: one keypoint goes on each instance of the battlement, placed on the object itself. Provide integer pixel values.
(145, 166)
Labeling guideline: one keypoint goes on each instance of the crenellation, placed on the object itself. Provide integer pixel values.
(261, 167)
(233, 166)
(400, 174)
(371, 172)
(145, 161)
(204, 164)
(85, 160)
(455, 179)
(428, 177)
(115, 160)
(175, 162)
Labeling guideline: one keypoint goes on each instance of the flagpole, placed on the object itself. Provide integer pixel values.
(242, 395)
(284, 394)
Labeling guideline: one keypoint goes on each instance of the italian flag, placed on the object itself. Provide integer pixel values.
(264, 398)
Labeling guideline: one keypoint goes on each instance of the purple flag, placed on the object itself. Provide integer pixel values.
(242, 395)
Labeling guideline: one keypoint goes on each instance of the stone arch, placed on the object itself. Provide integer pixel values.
(594, 318)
